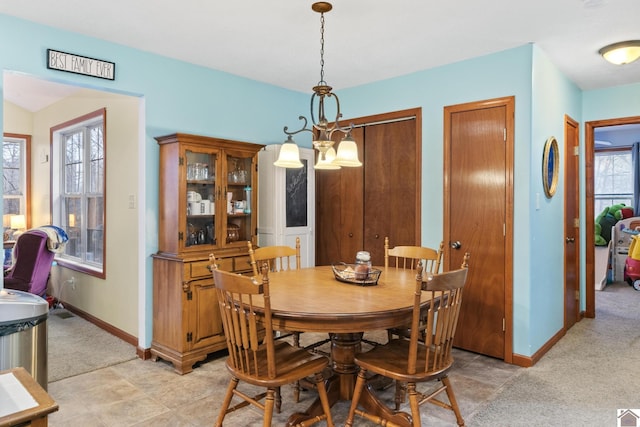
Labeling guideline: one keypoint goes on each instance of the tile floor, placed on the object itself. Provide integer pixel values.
(146, 393)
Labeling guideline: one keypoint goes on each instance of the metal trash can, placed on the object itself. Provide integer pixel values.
(23, 333)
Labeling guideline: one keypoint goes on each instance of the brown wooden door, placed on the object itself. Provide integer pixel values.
(571, 230)
(391, 184)
(339, 211)
(357, 207)
(478, 218)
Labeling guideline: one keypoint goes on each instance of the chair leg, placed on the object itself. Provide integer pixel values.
(227, 401)
(324, 398)
(414, 404)
(278, 400)
(452, 399)
(357, 392)
(268, 407)
(296, 391)
(401, 393)
(296, 339)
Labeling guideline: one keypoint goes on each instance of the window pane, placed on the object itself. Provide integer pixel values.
(73, 168)
(613, 181)
(95, 226)
(11, 206)
(96, 165)
(14, 175)
(12, 184)
(73, 209)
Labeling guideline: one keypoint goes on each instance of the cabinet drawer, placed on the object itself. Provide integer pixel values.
(225, 264)
(243, 263)
(200, 269)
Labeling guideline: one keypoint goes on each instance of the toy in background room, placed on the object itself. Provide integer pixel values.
(632, 263)
(607, 219)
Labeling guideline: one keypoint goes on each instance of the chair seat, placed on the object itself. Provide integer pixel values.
(293, 363)
(390, 360)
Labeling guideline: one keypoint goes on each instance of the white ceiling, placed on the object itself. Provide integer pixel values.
(278, 41)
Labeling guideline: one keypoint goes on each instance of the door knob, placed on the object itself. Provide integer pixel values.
(456, 245)
(570, 239)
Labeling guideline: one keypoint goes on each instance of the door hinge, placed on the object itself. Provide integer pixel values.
(180, 235)
(504, 134)
(189, 295)
(576, 222)
(180, 160)
(504, 324)
(576, 150)
(189, 336)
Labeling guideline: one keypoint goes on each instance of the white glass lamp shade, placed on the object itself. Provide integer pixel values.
(621, 53)
(347, 153)
(289, 156)
(328, 162)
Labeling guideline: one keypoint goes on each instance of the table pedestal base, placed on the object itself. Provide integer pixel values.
(341, 383)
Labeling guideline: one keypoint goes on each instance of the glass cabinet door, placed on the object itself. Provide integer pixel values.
(239, 198)
(200, 227)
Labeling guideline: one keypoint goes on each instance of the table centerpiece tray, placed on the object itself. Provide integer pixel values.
(347, 273)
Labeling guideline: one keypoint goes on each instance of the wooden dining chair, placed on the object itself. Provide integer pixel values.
(426, 355)
(278, 258)
(254, 356)
(283, 258)
(408, 257)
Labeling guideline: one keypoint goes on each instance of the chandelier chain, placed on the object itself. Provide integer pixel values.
(321, 50)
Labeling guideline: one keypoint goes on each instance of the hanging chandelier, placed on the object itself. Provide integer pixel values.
(321, 129)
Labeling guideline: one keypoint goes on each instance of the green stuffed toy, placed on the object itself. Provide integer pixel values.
(616, 210)
(604, 221)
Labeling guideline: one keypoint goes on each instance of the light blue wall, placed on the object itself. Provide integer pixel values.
(502, 74)
(187, 98)
(616, 102)
(553, 96)
(494, 76)
(179, 97)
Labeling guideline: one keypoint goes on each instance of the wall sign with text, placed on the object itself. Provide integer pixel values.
(77, 64)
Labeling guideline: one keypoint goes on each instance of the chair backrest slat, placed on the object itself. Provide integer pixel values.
(279, 258)
(435, 328)
(249, 341)
(408, 257)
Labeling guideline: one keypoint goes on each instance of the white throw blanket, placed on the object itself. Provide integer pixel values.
(56, 240)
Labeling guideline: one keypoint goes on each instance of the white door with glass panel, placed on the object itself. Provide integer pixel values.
(286, 203)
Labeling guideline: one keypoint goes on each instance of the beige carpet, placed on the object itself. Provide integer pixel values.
(582, 380)
(76, 346)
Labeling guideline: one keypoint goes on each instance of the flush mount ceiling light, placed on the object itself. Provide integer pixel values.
(621, 53)
(322, 130)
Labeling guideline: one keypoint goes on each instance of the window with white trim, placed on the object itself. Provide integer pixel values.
(79, 191)
(15, 179)
(613, 178)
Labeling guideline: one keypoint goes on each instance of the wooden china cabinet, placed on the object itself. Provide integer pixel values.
(207, 204)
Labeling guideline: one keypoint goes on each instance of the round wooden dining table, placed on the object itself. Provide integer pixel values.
(312, 300)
